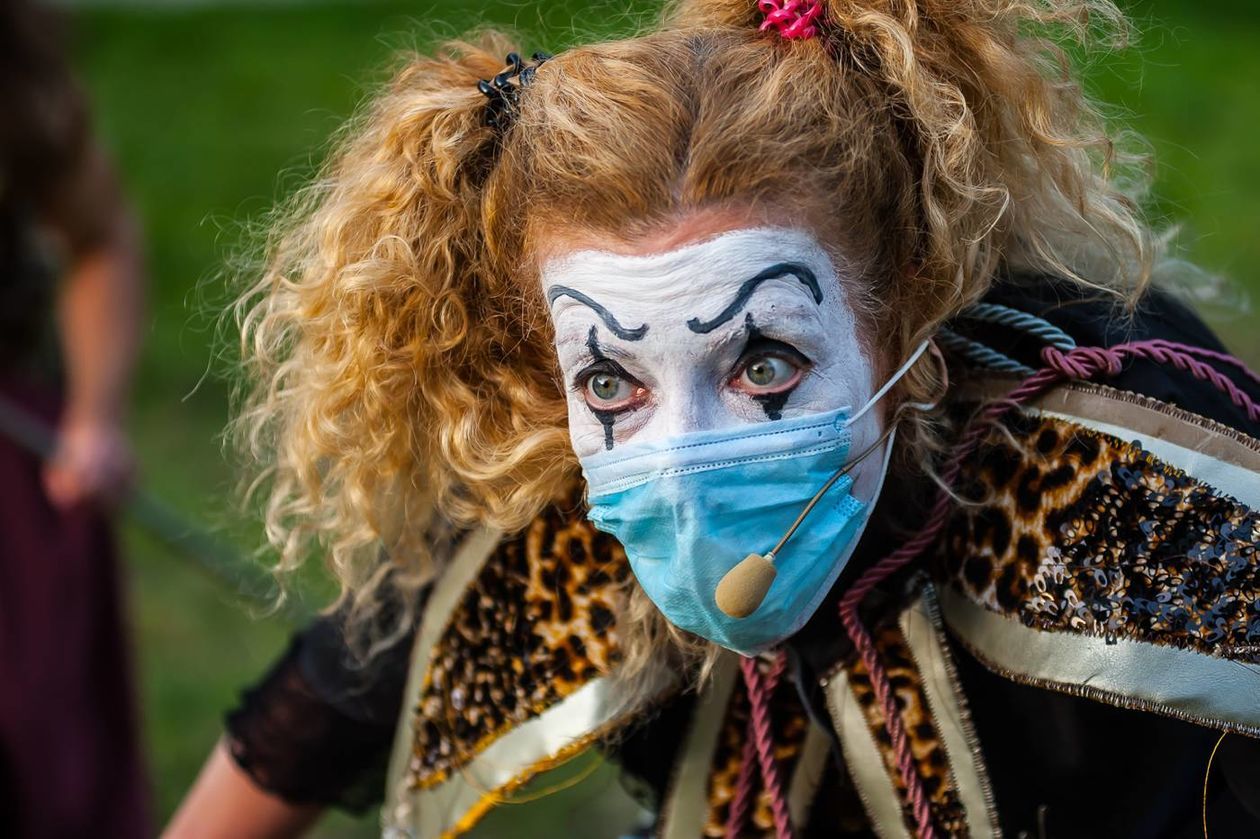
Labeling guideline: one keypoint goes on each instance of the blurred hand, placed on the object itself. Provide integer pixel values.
(93, 462)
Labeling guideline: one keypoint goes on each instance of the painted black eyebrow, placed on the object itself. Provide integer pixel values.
(774, 272)
(557, 291)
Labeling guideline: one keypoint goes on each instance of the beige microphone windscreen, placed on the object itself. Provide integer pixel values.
(742, 589)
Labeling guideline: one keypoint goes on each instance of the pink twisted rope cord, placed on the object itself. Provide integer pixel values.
(1081, 363)
(1085, 362)
(1213, 355)
(741, 802)
(792, 19)
(760, 743)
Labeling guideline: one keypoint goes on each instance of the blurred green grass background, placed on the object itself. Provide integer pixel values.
(214, 112)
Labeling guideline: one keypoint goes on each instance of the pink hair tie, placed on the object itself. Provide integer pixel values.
(793, 19)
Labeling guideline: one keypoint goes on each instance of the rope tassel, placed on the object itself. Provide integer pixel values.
(759, 749)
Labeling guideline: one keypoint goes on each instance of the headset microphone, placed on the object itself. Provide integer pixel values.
(742, 589)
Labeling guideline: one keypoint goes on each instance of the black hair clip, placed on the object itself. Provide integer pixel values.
(503, 92)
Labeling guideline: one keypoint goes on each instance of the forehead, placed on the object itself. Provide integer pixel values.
(710, 271)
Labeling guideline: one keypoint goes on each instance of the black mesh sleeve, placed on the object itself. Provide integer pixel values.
(317, 729)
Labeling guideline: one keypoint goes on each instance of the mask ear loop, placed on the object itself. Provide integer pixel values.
(943, 366)
(742, 589)
(892, 381)
(902, 410)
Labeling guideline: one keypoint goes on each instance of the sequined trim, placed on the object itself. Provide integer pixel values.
(1213, 692)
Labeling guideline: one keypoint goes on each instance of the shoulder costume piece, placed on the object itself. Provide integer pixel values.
(1066, 660)
(1087, 629)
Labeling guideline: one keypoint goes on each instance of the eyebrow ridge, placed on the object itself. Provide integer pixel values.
(774, 272)
(636, 334)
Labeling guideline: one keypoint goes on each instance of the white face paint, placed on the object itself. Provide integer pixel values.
(750, 326)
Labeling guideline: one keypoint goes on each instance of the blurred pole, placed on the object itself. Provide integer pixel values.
(221, 562)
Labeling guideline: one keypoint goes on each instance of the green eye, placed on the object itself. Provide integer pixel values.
(768, 372)
(606, 390)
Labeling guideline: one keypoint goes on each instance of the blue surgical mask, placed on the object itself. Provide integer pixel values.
(690, 508)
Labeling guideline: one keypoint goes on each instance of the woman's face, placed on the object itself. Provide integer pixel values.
(710, 331)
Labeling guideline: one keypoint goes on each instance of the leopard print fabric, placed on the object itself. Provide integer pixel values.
(789, 723)
(1074, 530)
(925, 741)
(537, 624)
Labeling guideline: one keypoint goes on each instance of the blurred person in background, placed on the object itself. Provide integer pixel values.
(71, 299)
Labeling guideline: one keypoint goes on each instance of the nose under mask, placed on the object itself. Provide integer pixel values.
(689, 509)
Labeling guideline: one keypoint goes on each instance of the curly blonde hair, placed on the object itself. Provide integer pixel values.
(399, 352)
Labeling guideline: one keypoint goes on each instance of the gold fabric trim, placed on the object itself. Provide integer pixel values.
(577, 767)
(863, 759)
(921, 626)
(1214, 692)
(686, 806)
(545, 742)
(470, 557)
(1217, 455)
